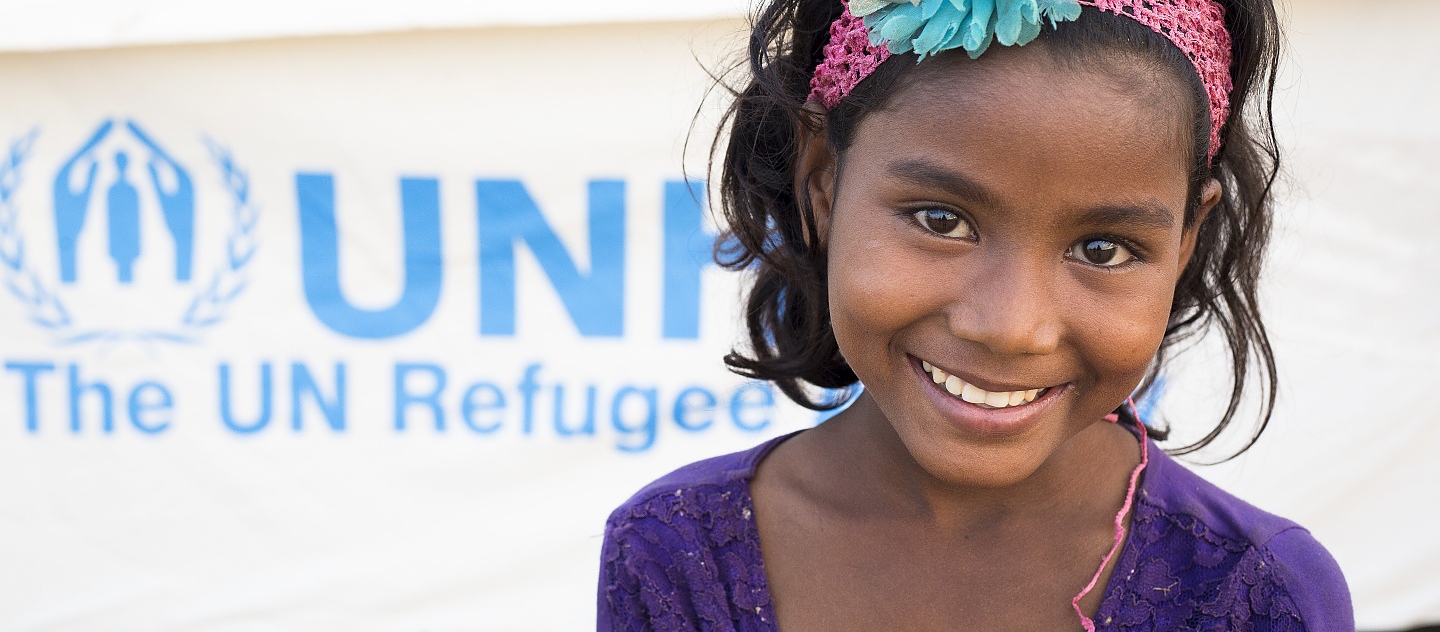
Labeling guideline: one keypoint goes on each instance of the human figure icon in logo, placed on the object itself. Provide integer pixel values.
(177, 204)
(70, 204)
(123, 209)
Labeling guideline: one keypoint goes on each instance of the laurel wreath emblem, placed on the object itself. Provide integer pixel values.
(208, 307)
(43, 306)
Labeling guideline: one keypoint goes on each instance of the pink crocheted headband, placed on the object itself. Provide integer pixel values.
(860, 43)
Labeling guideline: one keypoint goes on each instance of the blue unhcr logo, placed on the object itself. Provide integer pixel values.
(122, 206)
(110, 183)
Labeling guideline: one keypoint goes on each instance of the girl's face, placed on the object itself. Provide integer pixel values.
(1013, 228)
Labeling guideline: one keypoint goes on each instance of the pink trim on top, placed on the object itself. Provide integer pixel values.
(1196, 27)
(1085, 621)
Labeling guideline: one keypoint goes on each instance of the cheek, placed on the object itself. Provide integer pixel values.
(874, 286)
(1119, 331)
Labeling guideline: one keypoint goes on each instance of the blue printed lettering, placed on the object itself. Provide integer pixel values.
(595, 301)
(649, 421)
(405, 398)
(688, 248)
(319, 248)
(145, 409)
(472, 403)
(528, 387)
(755, 397)
(227, 414)
(30, 373)
(586, 428)
(303, 386)
(78, 389)
(694, 409)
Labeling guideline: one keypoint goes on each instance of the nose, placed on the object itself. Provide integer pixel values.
(1007, 303)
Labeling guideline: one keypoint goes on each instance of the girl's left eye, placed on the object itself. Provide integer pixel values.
(1101, 252)
(944, 223)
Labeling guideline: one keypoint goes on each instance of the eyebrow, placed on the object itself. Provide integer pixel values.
(1149, 214)
(931, 175)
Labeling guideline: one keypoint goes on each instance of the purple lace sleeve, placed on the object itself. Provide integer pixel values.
(1313, 579)
(1201, 559)
(686, 559)
(1182, 577)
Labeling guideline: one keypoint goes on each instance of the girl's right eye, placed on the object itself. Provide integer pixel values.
(944, 223)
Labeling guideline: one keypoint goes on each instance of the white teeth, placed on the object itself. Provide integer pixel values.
(976, 395)
(954, 385)
(973, 394)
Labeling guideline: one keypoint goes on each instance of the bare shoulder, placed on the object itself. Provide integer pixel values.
(799, 476)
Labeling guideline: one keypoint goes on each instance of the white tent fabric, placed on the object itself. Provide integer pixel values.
(63, 24)
(211, 501)
(1352, 302)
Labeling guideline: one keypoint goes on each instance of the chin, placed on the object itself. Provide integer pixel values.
(990, 465)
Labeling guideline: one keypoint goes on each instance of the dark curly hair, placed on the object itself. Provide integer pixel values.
(771, 232)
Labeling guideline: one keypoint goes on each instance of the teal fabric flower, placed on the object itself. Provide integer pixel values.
(927, 27)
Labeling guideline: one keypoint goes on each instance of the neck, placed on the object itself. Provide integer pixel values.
(1077, 481)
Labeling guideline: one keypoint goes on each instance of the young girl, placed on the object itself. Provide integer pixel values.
(997, 216)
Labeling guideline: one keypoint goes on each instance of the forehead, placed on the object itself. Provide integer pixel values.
(1018, 120)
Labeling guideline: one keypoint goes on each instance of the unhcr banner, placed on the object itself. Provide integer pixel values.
(371, 332)
(358, 333)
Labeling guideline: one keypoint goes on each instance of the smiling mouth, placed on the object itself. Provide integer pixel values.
(969, 393)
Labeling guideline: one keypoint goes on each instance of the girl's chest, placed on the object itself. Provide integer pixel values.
(835, 579)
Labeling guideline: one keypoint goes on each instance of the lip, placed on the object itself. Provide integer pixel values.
(992, 422)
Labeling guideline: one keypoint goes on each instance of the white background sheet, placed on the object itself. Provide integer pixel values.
(201, 527)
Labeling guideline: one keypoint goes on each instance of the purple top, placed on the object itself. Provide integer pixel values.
(684, 554)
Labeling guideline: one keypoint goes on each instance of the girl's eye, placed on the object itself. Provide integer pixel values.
(944, 223)
(1101, 252)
